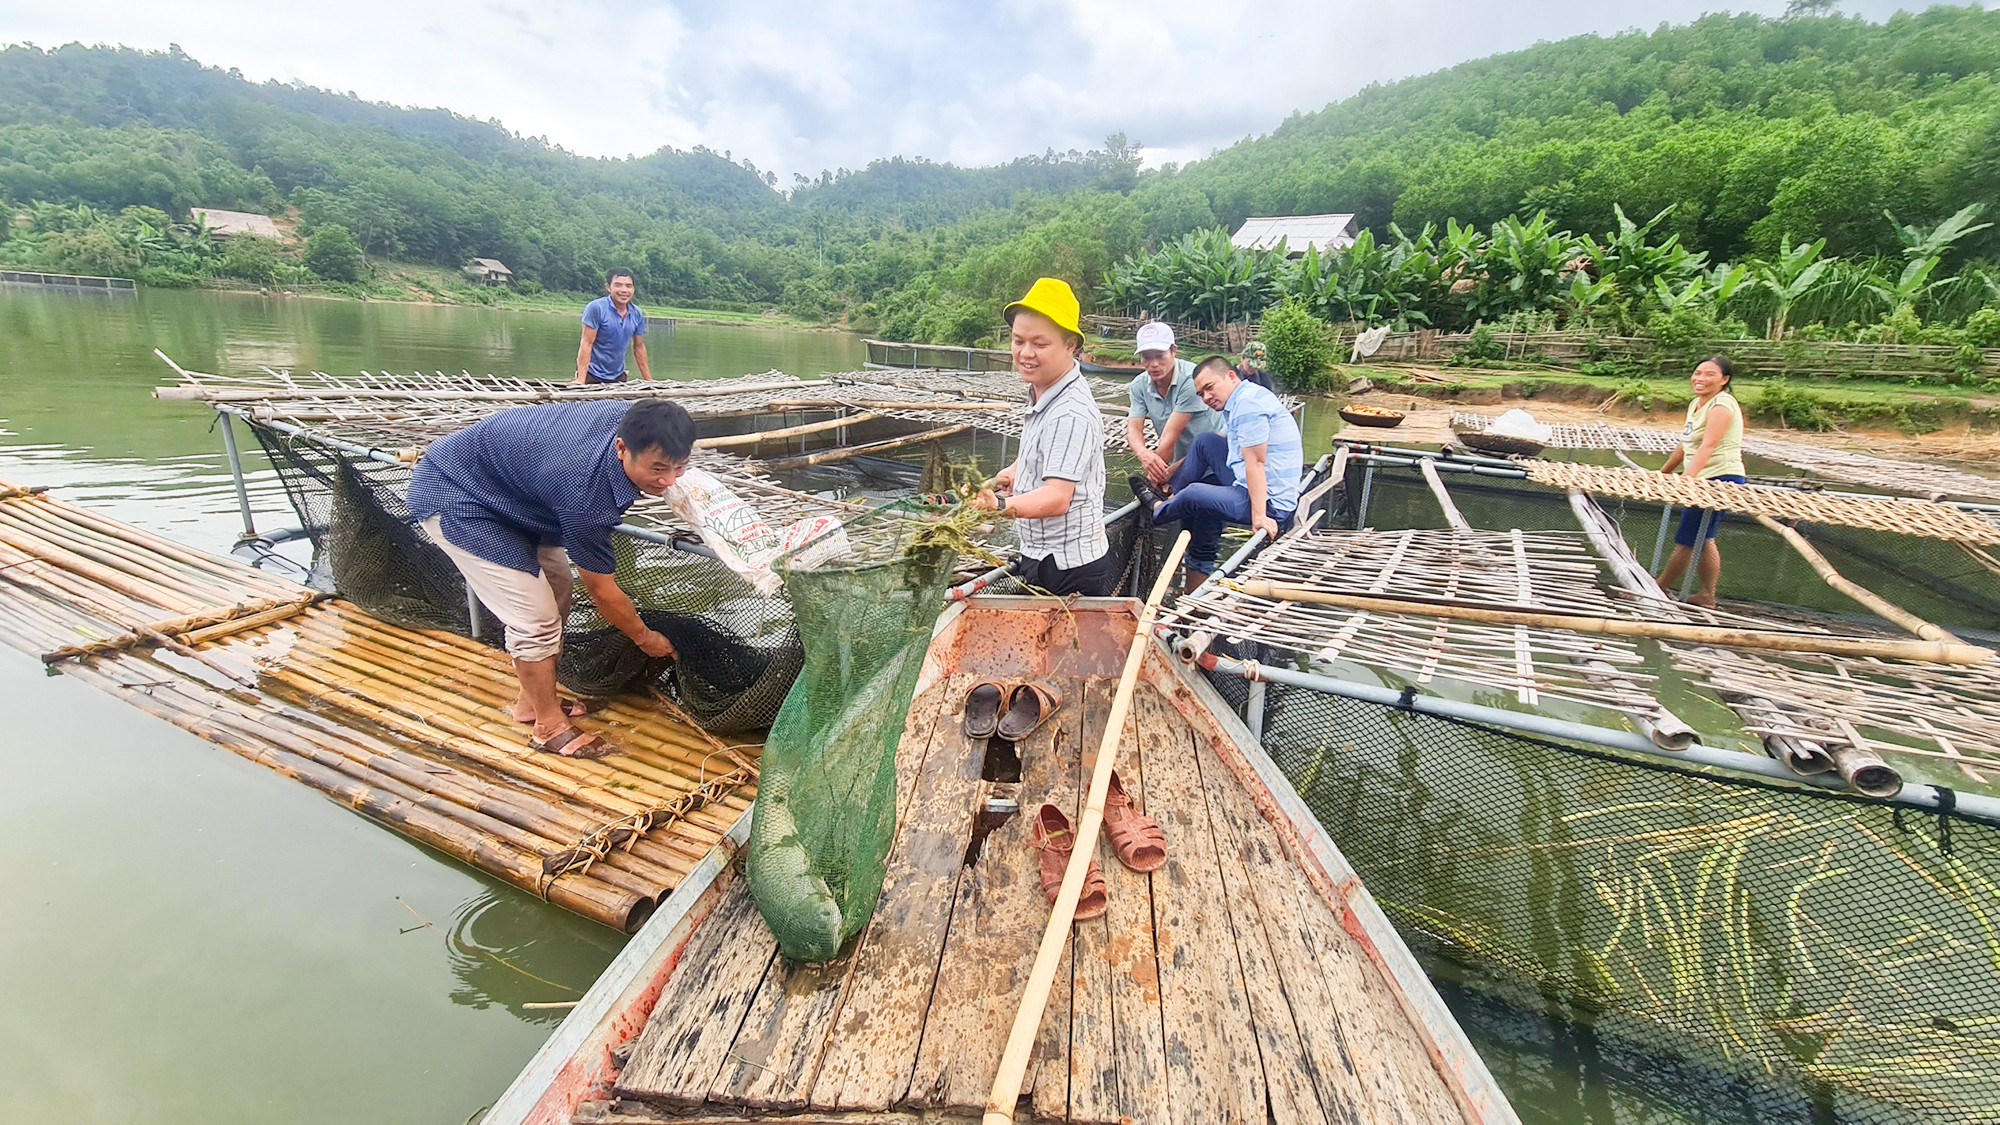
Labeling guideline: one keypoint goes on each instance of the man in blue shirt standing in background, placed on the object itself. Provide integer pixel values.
(609, 324)
(1247, 474)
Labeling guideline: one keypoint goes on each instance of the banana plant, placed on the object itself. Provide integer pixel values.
(1790, 278)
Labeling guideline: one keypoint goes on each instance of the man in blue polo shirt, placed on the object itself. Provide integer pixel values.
(514, 498)
(1247, 474)
(610, 323)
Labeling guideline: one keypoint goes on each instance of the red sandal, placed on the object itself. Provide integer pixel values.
(1136, 839)
(1056, 839)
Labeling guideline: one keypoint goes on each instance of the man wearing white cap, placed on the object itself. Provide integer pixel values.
(1164, 394)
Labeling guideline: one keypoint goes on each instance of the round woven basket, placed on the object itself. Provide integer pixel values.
(1496, 443)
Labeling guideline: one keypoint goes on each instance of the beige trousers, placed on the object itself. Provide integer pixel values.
(531, 606)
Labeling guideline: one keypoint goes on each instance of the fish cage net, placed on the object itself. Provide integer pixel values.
(1833, 953)
(866, 599)
(737, 652)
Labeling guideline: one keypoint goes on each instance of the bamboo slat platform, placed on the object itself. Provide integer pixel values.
(1221, 988)
(1904, 517)
(407, 727)
(1548, 571)
(1596, 435)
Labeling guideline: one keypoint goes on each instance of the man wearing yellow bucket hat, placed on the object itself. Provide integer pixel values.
(1055, 488)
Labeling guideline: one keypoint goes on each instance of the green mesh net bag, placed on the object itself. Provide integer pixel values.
(864, 605)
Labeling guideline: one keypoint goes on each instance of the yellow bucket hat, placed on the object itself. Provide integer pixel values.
(1053, 298)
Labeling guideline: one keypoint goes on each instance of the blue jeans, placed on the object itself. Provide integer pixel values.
(1204, 502)
(1690, 525)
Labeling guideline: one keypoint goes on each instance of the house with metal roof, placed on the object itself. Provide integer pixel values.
(1297, 232)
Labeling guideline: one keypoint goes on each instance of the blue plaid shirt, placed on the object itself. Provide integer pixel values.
(526, 477)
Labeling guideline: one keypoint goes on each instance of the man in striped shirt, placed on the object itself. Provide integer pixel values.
(1057, 483)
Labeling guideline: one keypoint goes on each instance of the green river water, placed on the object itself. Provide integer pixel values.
(188, 937)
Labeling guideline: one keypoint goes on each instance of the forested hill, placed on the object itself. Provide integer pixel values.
(1752, 129)
(1749, 127)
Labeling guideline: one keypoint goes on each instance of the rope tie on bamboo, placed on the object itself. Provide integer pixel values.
(625, 832)
(22, 491)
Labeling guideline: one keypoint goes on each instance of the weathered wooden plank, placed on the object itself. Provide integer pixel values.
(1213, 1071)
(1090, 1086)
(866, 1065)
(1289, 1072)
(777, 1055)
(677, 1055)
(996, 927)
(1395, 1075)
(1274, 885)
(1088, 996)
(1117, 1043)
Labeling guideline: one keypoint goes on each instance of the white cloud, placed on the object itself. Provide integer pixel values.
(802, 85)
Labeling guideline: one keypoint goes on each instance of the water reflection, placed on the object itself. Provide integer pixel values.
(499, 948)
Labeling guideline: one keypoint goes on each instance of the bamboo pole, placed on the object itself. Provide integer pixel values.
(1882, 606)
(730, 441)
(193, 628)
(1028, 1019)
(826, 456)
(1933, 652)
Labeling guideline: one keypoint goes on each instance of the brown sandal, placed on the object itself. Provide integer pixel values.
(1056, 839)
(570, 742)
(1031, 706)
(982, 707)
(1136, 839)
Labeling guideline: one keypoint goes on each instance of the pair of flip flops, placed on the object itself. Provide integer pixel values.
(1028, 705)
(1136, 839)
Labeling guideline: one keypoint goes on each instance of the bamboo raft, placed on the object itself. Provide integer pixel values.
(1900, 516)
(1251, 979)
(407, 727)
(1916, 478)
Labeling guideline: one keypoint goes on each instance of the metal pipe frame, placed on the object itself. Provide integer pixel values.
(1913, 795)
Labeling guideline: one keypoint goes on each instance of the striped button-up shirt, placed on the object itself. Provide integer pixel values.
(1063, 439)
(527, 477)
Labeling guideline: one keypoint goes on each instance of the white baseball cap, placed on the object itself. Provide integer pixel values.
(1155, 337)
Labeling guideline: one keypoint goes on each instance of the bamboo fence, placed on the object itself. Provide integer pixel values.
(407, 727)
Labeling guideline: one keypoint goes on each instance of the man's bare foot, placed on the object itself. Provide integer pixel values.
(524, 712)
(1705, 601)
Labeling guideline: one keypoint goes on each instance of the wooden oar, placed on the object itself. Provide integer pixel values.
(1933, 652)
(1021, 1040)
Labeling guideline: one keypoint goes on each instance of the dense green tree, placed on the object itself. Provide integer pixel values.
(332, 253)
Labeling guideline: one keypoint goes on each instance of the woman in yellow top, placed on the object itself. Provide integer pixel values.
(1711, 449)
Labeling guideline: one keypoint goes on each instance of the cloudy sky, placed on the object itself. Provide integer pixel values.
(805, 85)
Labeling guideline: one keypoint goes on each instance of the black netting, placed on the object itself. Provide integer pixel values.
(738, 652)
(1832, 951)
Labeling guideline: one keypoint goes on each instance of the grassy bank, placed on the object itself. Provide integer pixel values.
(1774, 402)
